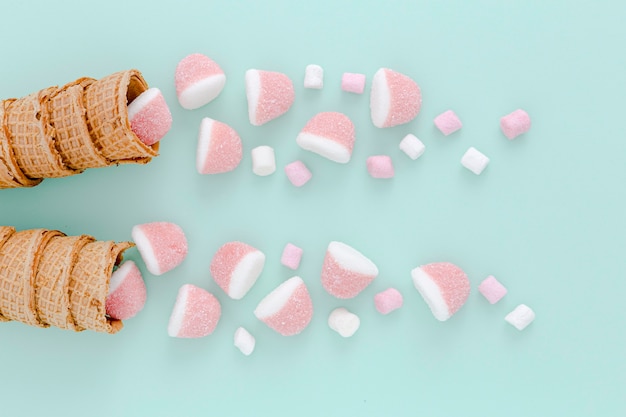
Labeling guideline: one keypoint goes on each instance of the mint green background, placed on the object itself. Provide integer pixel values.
(546, 217)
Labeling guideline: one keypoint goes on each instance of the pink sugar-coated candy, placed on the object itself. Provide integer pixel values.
(150, 118)
(219, 148)
(388, 301)
(195, 313)
(127, 292)
(199, 80)
(346, 272)
(395, 98)
(235, 268)
(353, 83)
(298, 173)
(492, 289)
(329, 134)
(514, 124)
(448, 122)
(444, 286)
(162, 245)
(380, 166)
(270, 95)
(291, 256)
(288, 309)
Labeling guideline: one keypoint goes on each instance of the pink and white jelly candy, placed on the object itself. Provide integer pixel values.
(329, 134)
(199, 80)
(195, 313)
(444, 286)
(346, 272)
(288, 309)
(150, 118)
(395, 98)
(270, 95)
(219, 148)
(162, 245)
(235, 268)
(127, 292)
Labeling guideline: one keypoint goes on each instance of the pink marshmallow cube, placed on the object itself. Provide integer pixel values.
(492, 289)
(291, 256)
(353, 83)
(448, 122)
(380, 166)
(298, 173)
(388, 301)
(514, 124)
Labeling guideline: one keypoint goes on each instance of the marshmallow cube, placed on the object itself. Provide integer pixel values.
(388, 301)
(150, 118)
(219, 148)
(297, 173)
(195, 313)
(448, 122)
(444, 286)
(198, 81)
(162, 245)
(235, 267)
(263, 161)
(474, 160)
(380, 166)
(353, 83)
(291, 256)
(344, 322)
(412, 146)
(346, 272)
(521, 317)
(288, 309)
(270, 95)
(244, 341)
(329, 134)
(314, 77)
(395, 98)
(127, 292)
(492, 289)
(514, 124)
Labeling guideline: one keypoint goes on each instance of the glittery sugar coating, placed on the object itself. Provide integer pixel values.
(127, 292)
(329, 134)
(270, 95)
(219, 148)
(162, 245)
(149, 116)
(235, 267)
(346, 272)
(194, 68)
(395, 98)
(291, 305)
(195, 314)
(451, 281)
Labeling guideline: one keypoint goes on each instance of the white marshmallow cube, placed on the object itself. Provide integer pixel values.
(521, 317)
(344, 322)
(474, 160)
(244, 341)
(412, 146)
(314, 77)
(263, 161)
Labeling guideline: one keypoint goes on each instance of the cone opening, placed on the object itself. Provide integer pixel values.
(136, 86)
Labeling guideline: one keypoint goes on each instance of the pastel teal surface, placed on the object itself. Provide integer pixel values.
(546, 217)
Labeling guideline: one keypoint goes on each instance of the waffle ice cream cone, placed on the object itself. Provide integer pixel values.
(32, 136)
(52, 282)
(68, 117)
(47, 278)
(11, 176)
(107, 102)
(19, 258)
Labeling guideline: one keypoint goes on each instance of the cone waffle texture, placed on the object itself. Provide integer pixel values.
(47, 278)
(57, 132)
(11, 176)
(107, 101)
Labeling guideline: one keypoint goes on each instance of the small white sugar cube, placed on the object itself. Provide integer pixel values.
(263, 161)
(344, 322)
(474, 160)
(412, 146)
(244, 341)
(314, 77)
(521, 317)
